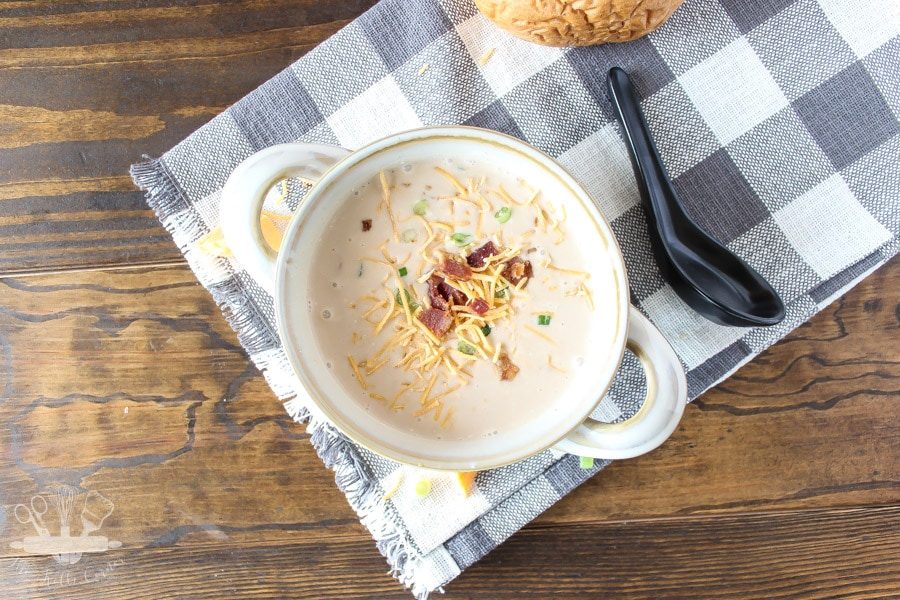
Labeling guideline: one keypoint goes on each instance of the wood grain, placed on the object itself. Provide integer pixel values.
(205, 463)
(87, 88)
(801, 554)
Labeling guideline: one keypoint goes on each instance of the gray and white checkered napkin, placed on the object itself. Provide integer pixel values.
(778, 120)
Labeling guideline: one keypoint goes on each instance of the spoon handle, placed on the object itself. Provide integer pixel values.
(653, 181)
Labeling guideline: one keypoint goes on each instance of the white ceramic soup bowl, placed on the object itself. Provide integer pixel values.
(336, 173)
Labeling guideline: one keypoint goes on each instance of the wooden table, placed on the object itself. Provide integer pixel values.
(120, 376)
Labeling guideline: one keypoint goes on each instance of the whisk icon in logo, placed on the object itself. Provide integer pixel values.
(65, 548)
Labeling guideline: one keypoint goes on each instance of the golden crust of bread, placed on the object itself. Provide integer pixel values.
(578, 22)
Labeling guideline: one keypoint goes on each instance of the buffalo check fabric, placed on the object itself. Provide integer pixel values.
(778, 120)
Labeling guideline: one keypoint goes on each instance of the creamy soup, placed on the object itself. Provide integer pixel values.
(452, 298)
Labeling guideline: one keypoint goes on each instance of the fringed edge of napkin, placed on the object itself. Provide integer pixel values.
(363, 492)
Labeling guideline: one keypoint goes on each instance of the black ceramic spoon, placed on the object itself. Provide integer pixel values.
(704, 273)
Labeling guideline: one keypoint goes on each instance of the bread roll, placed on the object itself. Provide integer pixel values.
(578, 22)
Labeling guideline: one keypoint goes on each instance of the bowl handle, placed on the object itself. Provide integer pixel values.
(244, 194)
(658, 416)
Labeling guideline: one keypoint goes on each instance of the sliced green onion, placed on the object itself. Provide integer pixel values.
(486, 330)
(409, 235)
(503, 214)
(585, 462)
(402, 271)
(412, 304)
(420, 207)
(500, 293)
(461, 239)
(465, 348)
(423, 487)
(543, 319)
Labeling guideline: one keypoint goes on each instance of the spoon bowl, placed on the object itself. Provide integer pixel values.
(710, 278)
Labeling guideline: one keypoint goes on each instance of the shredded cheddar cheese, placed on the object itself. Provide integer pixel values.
(444, 394)
(356, 373)
(441, 225)
(428, 333)
(575, 272)
(554, 367)
(540, 334)
(447, 416)
(390, 312)
(427, 389)
(375, 307)
(386, 202)
(374, 368)
(460, 188)
(425, 276)
(403, 299)
(588, 296)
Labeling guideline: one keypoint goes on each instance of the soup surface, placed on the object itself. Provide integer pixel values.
(453, 298)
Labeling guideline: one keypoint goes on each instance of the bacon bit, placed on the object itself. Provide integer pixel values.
(431, 337)
(455, 267)
(451, 293)
(437, 321)
(366, 224)
(517, 269)
(506, 368)
(479, 306)
(440, 294)
(476, 259)
(435, 297)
